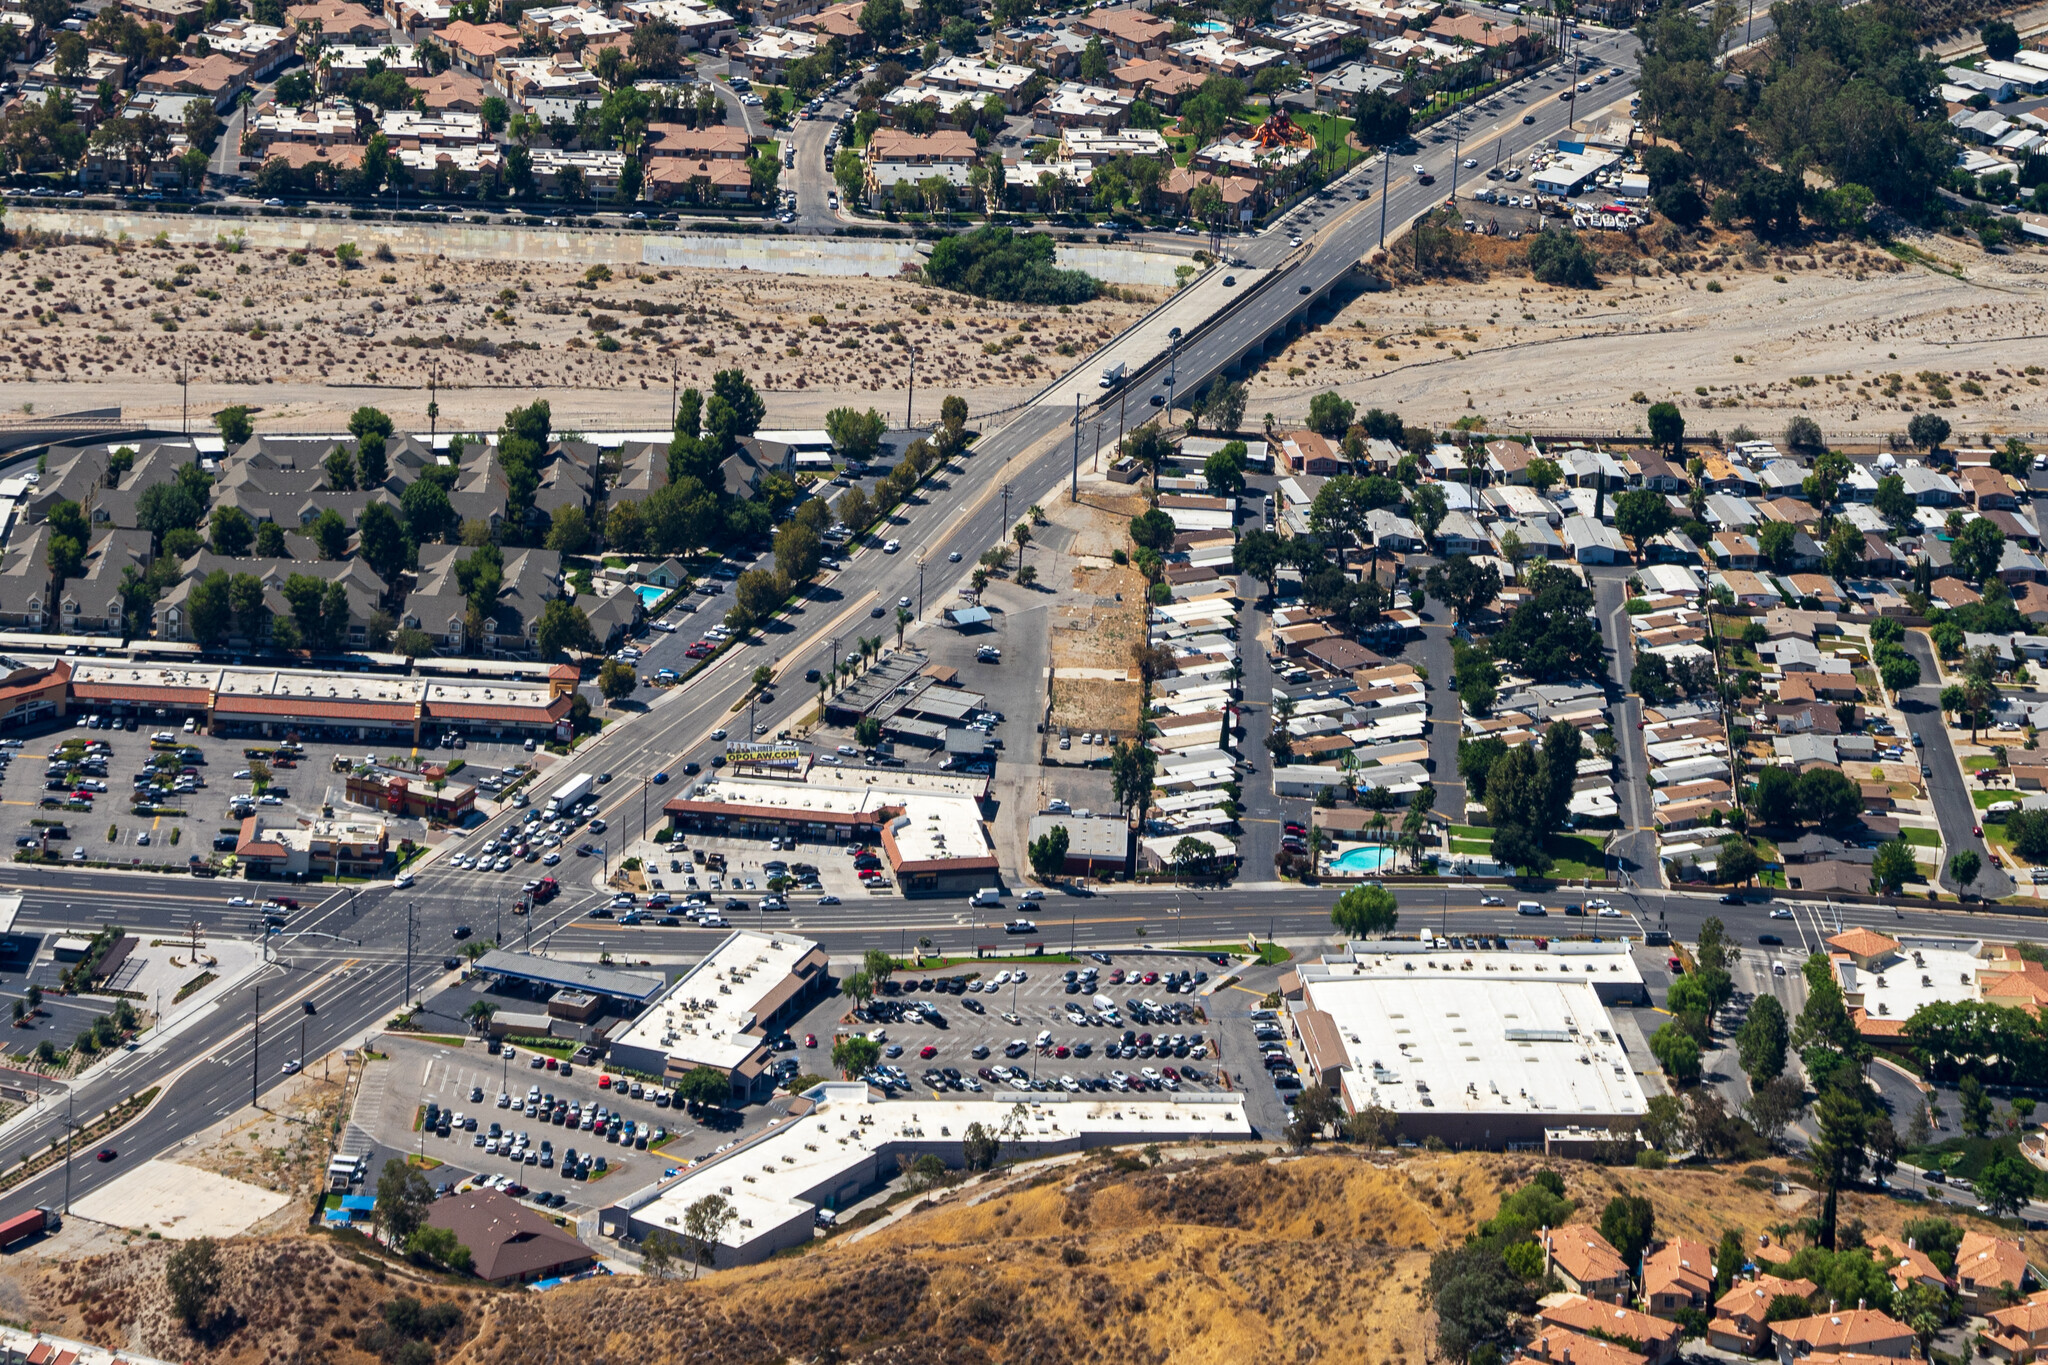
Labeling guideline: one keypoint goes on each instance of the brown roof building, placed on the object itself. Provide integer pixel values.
(1865, 947)
(1560, 1346)
(1654, 1337)
(1858, 1331)
(509, 1243)
(1986, 1266)
(1906, 1264)
(336, 21)
(2019, 1335)
(726, 142)
(451, 92)
(1585, 1261)
(1739, 1322)
(1679, 1274)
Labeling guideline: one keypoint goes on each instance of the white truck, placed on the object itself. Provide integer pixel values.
(1114, 375)
(569, 793)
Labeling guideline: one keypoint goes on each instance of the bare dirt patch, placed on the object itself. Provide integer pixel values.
(284, 1146)
(309, 341)
(1743, 334)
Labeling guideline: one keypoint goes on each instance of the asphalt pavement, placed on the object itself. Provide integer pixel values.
(1947, 786)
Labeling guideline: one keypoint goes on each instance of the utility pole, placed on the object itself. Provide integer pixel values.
(255, 1045)
(308, 1011)
(1172, 370)
(1123, 396)
(1457, 152)
(1074, 488)
(410, 907)
(674, 378)
(920, 587)
(184, 395)
(70, 1149)
(1386, 170)
(433, 404)
(1006, 509)
(910, 390)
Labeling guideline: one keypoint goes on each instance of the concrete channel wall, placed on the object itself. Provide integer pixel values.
(794, 254)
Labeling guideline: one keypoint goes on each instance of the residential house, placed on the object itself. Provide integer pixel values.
(25, 580)
(365, 590)
(91, 602)
(1508, 462)
(895, 155)
(1740, 1324)
(2019, 1335)
(1308, 452)
(1241, 193)
(1906, 1264)
(1655, 1338)
(1859, 1331)
(1160, 84)
(1678, 1274)
(336, 21)
(476, 48)
(1586, 1262)
(1988, 1267)
(438, 606)
(1128, 34)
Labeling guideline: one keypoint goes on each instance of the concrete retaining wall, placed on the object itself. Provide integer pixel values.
(790, 255)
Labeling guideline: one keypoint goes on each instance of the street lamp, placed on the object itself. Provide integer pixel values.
(1172, 370)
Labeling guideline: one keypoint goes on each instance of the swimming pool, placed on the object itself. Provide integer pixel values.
(1211, 26)
(650, 596)
(1364, 858)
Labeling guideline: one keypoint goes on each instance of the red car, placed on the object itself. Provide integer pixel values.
(810, 1040)
(604, 1082)
(1977, 830)
(927, 1052)
(105, 1154)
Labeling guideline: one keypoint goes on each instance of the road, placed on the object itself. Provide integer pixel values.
(1947, 787)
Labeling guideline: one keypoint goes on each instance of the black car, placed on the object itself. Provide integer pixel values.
(1528, 119)
(449, 964)
(604, 777)
(691, 769)
(1770, 940)
(463, 931)
(1730, 898)
(877, 613)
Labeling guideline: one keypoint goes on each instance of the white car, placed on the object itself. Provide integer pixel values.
(1781, 912)
(1034, 894)
(891, 547)
(403, 880)
(240, 900)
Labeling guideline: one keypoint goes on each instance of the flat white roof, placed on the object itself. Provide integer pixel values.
(1478, 1032)
(704, 1017)
(798, 1163)
(499, 693)
(1924, 971)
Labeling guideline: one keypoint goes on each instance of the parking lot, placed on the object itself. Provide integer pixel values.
(636, 1137)
(1047, 1031)
(43, 781)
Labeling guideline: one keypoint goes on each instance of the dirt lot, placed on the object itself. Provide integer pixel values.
(283, 1146)
(1786, 333)
(1092, 631)
(308, 341)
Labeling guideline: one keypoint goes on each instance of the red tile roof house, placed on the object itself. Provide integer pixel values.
(1655, 1338)
(1986, 1266)
(2019, 1335)
(1857, 1331)
(1739, 1324)
(1679, 1274)
(1585, 1261)
(1559, 1346)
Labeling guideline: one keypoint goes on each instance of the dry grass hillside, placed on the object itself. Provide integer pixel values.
(1206, 1259)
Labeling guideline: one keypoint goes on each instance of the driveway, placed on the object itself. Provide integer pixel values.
(1946, 787)
(1635, 845)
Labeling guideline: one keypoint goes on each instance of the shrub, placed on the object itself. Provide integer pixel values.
(1560, 258)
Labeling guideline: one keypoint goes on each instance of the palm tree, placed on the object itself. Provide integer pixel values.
(479, 1015)
(1021, 533)
(903, 620)
(1037, 514)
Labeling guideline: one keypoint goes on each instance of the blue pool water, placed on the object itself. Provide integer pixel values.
(1211, 26)
(650, 595)
(1364, 858)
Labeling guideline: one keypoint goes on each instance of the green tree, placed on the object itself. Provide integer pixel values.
(706, 1220)
(234, 425)
(230, 531)
(856, 435)
(1927, 430)
(1628, 1223)
(1368, 910)
(855, 1055)
(1678, 1053)
(1561, 258)
(1978, 1109)
(2007, 1183)
(617, 680)
(403, 1195)
(1048, 853)
(703, 1087)
(2001, 39)
(563, 626)
(331, 533)
(1891, 868)
(1667, 428)
(1762, 1039)
(381, 538)
(1464, 585)
(1330, 413)
(1977, 549)
(569, 531)
(1641, 514)
(1964, 865)
(193, 1277)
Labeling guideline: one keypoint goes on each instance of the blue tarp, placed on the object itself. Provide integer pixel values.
(358, 1203)
(969, 616)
